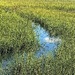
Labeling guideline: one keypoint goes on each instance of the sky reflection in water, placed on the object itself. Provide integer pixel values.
(48, 43)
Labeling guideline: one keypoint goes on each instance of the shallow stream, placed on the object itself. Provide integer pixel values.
(47, 43)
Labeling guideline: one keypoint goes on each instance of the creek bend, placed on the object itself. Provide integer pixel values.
(48, 44)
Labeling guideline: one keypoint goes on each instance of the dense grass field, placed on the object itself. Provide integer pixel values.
(16, 35)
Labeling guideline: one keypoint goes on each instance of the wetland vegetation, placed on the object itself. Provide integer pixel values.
(17, 37)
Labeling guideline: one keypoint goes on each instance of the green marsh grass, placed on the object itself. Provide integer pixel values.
(57, 17)
(16, 33)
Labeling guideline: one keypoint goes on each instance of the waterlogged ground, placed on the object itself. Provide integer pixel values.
(47, 43)
(58, 17)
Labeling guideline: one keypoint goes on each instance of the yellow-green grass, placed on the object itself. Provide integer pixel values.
(15, 33)
(58, 23)
(57, 17)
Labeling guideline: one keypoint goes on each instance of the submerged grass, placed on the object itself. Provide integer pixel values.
(57, 17)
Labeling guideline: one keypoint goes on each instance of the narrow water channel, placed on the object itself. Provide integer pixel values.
(47, 44)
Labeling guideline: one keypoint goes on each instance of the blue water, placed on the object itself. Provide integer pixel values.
(43, 36)
(48, 44)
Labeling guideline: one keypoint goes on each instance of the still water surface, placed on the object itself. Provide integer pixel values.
(47, 43)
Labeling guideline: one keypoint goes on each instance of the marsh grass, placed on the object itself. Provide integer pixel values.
(16, 33)
(57, 17)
